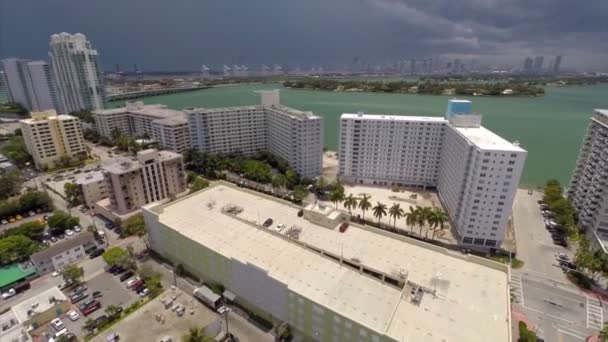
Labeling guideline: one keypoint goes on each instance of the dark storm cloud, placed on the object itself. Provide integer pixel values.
(182, 34)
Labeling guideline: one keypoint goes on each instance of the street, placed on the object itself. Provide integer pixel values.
(559, 311)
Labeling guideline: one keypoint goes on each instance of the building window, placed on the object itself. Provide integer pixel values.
(468, 240)
(478, 241)
(491, 243)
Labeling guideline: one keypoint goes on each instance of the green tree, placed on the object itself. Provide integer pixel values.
(117, 256)
(16, 248)
(112, 311)
(32, 230)
(72, 273)
(350, 202)
(196, 335)
(60, 221)
(10, 184)
(135, 225)
(33, 200)
(72, 193)
(526, 335)
(589, 259)
(292, 178)
(89, 325)
(365, 204)
(379, 211)
(411, 218)
(299, 193)
(396, 213)
(321, 184)
(603, 335)
(198, 183)
(438, 220)
(15, 150)
(337, 195)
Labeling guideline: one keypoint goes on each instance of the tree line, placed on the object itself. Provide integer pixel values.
(426, 87)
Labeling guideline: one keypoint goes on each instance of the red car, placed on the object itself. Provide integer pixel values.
(91, 308)
(139, 283)
(343, 227)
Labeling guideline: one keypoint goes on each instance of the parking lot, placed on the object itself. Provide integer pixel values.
(153, 321)
(113, 292)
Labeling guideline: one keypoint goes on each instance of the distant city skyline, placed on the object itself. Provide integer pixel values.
(159, 36)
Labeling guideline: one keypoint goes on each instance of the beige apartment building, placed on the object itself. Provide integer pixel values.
(167, 127)
(152, 176)
(50, 138)
(93, 187)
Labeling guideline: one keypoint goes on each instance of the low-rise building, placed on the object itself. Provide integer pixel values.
(6, 167)
(11, 329)
(133, 182)
(93, 187)
(361, 284)
(41, 308)
(15, 275)
(63, 253)
(52, 138)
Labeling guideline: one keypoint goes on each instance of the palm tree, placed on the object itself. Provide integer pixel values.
(424, 214)
(411, 218)
(196, 335)
(396, 213)
(365, 204)
(440, 217)
(379, 211)
(350, 202)
(337, 196)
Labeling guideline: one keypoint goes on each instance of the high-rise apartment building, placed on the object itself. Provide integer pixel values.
(475, 171)
(77, 72)
(557, 64)
(31, 84)
(150, 177)
(538, 63)
(169, 128)
(49, 138)
(587, 190)
(293, 135)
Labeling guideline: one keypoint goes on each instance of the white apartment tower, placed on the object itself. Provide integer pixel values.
(49, 138)
(587, 190)
(77, 72)
(475, 172)
(31, 84)
(169, 128)
(293, 135)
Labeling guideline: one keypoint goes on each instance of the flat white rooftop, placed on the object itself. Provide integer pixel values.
(487, 140)
(91, 177)
(471, 301)
(388, 117)
(38, 303)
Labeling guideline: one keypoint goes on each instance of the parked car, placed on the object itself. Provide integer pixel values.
(136, 284)
(57, 324)
(94, 254)
(126, 276)
(113, 337)
(91, 308)
(73, 315)
(77, 229)
(144, 292)
(79, 289)
(8, 294)
(53, 239)
(4, 221)
(31, 213)
(267, 223)
(69, 232)
(78, 297)
(65, 285)
(280, 227)
(61, 236)
(343, 227)
(97, 294)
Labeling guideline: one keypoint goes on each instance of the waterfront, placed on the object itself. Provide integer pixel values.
(549, 127)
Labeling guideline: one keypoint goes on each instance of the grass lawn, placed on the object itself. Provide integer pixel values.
(515, 263)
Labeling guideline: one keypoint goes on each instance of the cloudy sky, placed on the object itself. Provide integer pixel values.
(183, 34)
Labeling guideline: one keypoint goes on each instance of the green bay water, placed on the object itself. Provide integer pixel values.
(550, 128)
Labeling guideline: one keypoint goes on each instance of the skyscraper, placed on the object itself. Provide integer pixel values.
(557, 64)
(538, 63)
(77, 71)
(30, 83)
(528, 63)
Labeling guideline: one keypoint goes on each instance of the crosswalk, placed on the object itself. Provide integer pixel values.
(595, 314)
(517, 289)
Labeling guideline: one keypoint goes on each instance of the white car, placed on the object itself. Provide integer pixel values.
(73, 315)
(57, 324)
(144, 292)
(4, 222)
(132, 281)
(55, 274)
(77, 229)
(69, 232)
(8, 294)
(280, 227)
